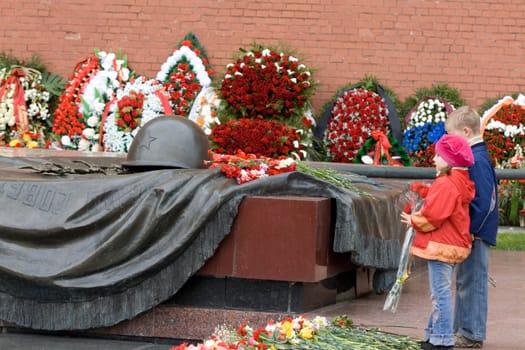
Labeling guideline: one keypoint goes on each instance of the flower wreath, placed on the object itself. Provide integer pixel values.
(77, 119)
(138, 102)
(204, 109)
(503, 128)
(264, 138)
(24, 107)
(355, 114)
(268, 93)
(381, 149)
(265, 84)
(425, 124)
(185, 73)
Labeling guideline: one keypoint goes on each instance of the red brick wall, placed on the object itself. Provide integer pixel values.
(476, 46)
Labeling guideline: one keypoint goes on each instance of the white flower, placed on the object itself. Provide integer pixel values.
(89, 133)
(92, 121)
(65, 141)
(266, 52)
(285, 163)
(83, 145)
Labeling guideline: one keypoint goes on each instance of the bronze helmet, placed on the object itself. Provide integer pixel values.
(168, 142)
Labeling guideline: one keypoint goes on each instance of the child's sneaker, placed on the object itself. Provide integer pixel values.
(428, 346)
(464, 342)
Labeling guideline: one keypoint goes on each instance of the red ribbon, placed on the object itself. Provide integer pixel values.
(165, 102)
(382, 147)
(19, 99)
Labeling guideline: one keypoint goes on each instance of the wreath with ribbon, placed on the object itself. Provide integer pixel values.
(77, 119)
(381, 149)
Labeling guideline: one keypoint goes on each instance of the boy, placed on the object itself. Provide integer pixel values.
(470, 319)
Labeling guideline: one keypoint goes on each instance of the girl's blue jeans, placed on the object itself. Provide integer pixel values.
(471, 306)
(439, 330)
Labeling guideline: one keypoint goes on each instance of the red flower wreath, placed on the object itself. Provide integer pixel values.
(67, 119)
(266, 138)
(184, 74)
(501, 131)
(356, 113)
(268, 85)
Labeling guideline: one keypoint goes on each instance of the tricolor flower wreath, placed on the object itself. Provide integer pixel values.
(503, 127)
(355, 114)
(425, 124)
(24, 108)
(184, 74)
(77, 119)
(264, 105)
(138, 102)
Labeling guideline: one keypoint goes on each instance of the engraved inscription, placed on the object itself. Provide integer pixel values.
(36, 195)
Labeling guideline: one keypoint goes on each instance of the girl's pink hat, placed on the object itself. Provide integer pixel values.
(455, 150)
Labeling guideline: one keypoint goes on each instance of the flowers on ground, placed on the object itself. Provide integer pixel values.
(303, 333)
(425, 126)
(356, 113)
(245, 167)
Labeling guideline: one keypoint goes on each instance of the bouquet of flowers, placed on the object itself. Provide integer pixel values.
(77, 119)
(415, 197)
(184, 74)
(28, 140)
(24, 107)
(302, 333)
(138, 102)
(355, 114)
(247, 167)
(425, 126)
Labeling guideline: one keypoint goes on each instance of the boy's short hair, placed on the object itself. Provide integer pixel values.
(464, 116)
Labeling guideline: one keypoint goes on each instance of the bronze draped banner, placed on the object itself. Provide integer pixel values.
(84, 251)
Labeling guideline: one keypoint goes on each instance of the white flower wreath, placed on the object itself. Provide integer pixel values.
(196, 62)
(117, 140)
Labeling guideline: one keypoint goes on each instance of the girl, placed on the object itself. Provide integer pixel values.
(442, 233)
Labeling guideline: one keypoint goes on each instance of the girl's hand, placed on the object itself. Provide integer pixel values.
(406, 218)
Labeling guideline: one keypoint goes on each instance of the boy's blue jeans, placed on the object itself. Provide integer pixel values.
(470, 318)
(439, 330)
